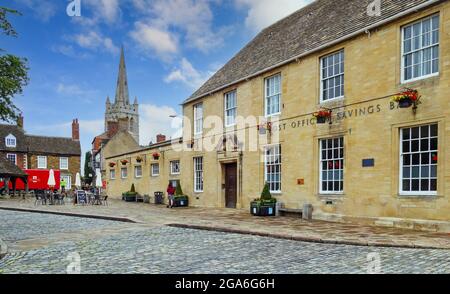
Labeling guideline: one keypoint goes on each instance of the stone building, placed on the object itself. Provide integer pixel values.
(41, 152)
(372, 162)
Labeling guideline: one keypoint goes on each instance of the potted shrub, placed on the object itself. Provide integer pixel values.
(322, 115)
(156, 156)
(139, 159)
(179, 199)
(131, 195)
(407, 98)
(264, 206)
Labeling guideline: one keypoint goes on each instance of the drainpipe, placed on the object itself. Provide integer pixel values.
(241, 155)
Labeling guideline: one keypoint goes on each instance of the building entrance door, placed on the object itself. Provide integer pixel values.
(231, 185)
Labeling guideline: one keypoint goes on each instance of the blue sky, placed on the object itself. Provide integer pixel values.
(171, 48)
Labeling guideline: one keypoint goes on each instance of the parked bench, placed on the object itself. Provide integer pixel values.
(292, 212)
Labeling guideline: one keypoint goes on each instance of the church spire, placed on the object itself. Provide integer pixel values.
(122, 96)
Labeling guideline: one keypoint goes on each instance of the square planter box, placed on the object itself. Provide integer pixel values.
(263, 210)
(183, 202)
(129, 198)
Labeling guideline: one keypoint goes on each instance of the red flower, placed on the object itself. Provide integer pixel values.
(435, 158)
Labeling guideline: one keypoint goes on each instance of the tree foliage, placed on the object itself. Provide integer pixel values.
(13, 72)
(88, 168)
(265, 195)
(178, 190)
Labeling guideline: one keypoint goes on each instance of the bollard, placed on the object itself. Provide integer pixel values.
(307, 212)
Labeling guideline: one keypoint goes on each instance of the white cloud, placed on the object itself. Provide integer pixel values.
(262, 13)
(44, 10)
(153, 38)
(68, 51)
(74, 91)
(187, 74)
(193, 19)
(95, 41)
(156, 120)
(107, 11)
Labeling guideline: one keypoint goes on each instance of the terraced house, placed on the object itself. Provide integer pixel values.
(41, 152)
(375, 160)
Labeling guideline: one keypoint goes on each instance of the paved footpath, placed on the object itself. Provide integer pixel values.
(240, 221)
(43, 243)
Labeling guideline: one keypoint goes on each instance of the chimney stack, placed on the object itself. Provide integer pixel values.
(75, 130)
(20, 121)
(112, 128)
(160, 138)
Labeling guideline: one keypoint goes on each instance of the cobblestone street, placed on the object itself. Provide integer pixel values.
(42, 243)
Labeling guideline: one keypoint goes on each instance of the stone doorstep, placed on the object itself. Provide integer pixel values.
(340, 241)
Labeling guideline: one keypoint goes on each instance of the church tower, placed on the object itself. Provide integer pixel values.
(121, 115)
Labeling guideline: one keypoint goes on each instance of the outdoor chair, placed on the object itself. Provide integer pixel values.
(105, 201)
(39, 199)
(60, 199)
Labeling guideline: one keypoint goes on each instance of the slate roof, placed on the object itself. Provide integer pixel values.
(8, 169)
(310, 28)
(38, 144)
(21, 143)
(53, 145)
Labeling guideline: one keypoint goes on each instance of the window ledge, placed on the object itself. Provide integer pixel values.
(423, 78)
(423, 197)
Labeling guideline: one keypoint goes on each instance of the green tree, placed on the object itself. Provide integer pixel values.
(265, 195)
(178, 190)
(88, 168)
(13, 71)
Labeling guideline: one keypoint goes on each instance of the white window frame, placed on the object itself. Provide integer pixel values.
(112, 174)
(342, 74)
(12, 155)
(25, 161)
(422, 49)
(39, 165)
(122, 174)
(333, 159)
(268, 161)
(152, 167)
(198, 118)
(10, 141)
(136, 168)
(172, 165)
(401, 166)
(198, 175)
(268, 95)
(61, 159)
(230, 113)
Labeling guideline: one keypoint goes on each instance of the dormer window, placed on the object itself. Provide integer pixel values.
(10, 141)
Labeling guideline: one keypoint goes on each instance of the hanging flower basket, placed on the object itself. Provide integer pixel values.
(156, 156)
(322, 115)
(407, 98)
(262, 128)
(112, 164)
(124, 162)
(139, 159)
